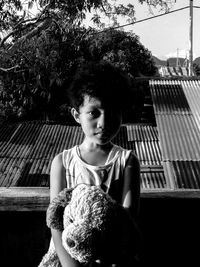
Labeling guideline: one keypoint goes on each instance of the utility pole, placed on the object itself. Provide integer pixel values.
(177, 59)
(191, 40)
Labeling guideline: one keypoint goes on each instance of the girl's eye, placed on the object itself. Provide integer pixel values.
(94, 113)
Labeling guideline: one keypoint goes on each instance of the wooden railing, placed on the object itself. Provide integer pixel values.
(37, 198)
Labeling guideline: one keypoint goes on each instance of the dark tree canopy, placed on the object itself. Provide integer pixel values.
(39, 53)
(124, 50)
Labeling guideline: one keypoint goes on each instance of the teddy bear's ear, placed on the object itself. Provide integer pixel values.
(54, 217)
(55, 211)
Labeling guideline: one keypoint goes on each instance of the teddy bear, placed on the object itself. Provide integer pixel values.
(94, 227)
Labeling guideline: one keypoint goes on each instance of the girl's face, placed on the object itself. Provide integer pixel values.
(99, 123)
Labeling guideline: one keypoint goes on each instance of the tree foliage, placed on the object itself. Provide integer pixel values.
(41, 66)
(196, 68)
(9, 13)
(124, 50)
(72, 11)
(39, 53)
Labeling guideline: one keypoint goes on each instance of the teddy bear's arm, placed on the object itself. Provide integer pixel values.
(54, 215)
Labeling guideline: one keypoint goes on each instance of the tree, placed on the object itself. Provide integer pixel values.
(196, 68)
(41, 66)
(73, 12)
(9, 13)
(38, 53)
(124, 50)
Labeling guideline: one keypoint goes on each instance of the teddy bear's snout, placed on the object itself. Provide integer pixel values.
(70, 242)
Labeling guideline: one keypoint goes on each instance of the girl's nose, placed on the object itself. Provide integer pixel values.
(101, 121)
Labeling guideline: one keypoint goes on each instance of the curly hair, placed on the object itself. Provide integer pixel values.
(103, 81)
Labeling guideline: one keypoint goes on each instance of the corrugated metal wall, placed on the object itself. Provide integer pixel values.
(27, 149)
(177, 115)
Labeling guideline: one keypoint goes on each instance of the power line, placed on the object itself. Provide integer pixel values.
(138, 21)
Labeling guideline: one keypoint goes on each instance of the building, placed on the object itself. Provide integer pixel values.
(169, 155)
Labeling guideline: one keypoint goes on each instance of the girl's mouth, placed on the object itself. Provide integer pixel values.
(102, 133)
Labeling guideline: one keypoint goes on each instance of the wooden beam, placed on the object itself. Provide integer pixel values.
(171, 193)
(37, 198)
(24, 198)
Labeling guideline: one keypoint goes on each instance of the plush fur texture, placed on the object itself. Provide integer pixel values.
(93, 226)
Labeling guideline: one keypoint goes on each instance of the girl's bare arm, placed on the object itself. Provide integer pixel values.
(58, 183)
(131, 202)
(131, 189)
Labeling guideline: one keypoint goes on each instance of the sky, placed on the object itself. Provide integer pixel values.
(168, 35)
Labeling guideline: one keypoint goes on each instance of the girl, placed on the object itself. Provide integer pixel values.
(99, 93)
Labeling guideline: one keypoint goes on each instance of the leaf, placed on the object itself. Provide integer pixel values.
(30, 4)
(38, 78)
(48, 97)
(24, 87)
(59, 81)
(51, 82)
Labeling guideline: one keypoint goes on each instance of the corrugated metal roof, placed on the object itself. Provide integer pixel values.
(166, 71)
(153, 177)
(143, 139)
(186, 174)
(27, 149)
(192, 93)
(177, 115)
(168, 97)
(177, 126)
(179, 137)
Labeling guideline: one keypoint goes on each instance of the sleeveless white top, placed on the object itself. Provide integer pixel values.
(78, 171)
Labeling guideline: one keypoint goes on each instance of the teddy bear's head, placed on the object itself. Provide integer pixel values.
(93, 226)
(87, 218)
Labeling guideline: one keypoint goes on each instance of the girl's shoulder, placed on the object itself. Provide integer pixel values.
(69, 150)
(68, 155)
(122, 152)
(128, 154)
(120, 148)
(57, 160)
(61, 157)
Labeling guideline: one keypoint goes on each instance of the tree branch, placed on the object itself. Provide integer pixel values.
(22, 21)
(36, 20)
(104, 9)
(9, 69)
(42, 26)
(7, 36)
